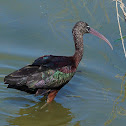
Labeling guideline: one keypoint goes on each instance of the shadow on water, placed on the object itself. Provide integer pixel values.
(52, 115)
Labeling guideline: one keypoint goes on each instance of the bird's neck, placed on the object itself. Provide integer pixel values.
(78, 40)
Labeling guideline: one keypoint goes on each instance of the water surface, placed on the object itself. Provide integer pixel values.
(96, 94)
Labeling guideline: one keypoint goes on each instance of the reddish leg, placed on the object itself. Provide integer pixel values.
(52, 95)
(50, 98)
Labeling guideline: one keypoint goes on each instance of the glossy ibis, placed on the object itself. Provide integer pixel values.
(49, 73)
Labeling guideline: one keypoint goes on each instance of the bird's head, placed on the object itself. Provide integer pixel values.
(83, 27)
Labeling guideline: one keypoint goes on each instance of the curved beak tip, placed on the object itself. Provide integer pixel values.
(112, 48)
(94, 32)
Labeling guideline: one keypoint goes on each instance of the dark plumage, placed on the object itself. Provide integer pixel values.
(48, 74)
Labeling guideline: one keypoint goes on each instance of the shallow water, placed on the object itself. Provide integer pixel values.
(96, 94)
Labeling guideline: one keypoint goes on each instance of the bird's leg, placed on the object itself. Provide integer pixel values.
(50, 97)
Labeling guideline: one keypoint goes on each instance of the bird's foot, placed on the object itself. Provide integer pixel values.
(44, 105)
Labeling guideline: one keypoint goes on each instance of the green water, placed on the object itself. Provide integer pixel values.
(96, 95)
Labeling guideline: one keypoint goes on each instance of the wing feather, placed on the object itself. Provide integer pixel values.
(44, 73)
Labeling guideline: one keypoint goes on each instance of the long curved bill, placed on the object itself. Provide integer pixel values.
(92, 31)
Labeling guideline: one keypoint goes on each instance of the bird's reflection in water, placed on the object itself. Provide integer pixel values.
(52, 115)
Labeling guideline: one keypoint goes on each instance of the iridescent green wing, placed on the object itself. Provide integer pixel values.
(49, 79)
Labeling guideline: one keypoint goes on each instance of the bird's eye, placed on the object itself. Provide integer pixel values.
(87, 28)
